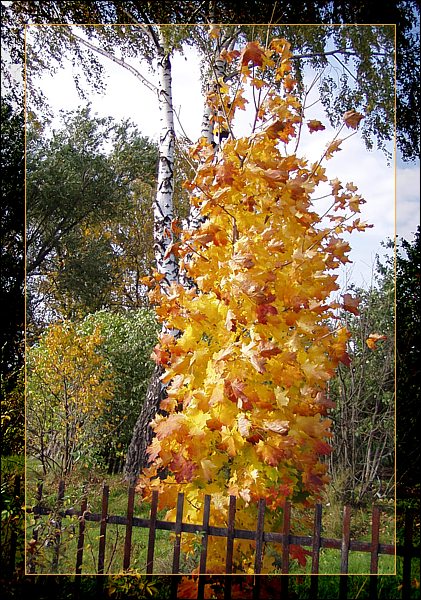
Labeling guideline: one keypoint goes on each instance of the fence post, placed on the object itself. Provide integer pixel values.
(177, 544)
(57, 525)
(129, 528)
(317, 534)
(204, 551)
(407, 554)
(346, 536)
(230, 547)
(258, 559)
(374, 561)
(81, 538)
(152, 533)
(103, 529)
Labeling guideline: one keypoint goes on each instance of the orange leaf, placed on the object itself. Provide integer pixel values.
(277, 426)
(269, 454)
(299, 553)
(263, 310)
(352, 118)
(373, 340)
(333, 147)
(252, 53)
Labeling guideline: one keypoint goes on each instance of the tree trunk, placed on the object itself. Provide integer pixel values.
(137, 458)
(166, 263)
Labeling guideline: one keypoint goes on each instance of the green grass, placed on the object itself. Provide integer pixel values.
(90, 482)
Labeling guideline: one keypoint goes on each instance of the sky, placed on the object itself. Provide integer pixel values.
(391, 191)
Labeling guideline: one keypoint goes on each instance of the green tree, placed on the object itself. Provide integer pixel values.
(127, 341)
(361, 464)
(69, 385)
(84, 205)
(12, 243)
(408, 331)
(347, 44)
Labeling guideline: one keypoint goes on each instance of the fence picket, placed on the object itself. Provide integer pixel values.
(205, 534)
(315, 555)
(81, 537)
(345, 546)
(178, 526)
(204, 550)
(230, 535)
(259, 536)
(57, 526)
(152, 533)
(103, 529)
(129, 528)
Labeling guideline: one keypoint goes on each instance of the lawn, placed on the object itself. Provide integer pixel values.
(90, 482)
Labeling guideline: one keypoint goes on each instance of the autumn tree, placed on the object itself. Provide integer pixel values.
(248, 349)
(68, 387)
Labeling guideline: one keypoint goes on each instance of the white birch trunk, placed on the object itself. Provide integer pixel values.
(163, 204)
(166, 262)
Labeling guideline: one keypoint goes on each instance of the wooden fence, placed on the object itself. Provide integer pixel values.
(285, 538)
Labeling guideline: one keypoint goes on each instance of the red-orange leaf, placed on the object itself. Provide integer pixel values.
(351, 304)
(315, 125)
(253, 53)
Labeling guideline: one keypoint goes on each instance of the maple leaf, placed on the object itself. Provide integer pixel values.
(373, 339)
(235, 391)
(299, 553)
(165, 426)
(354, 203)
(231, 321)
(280, 129)
(352, 118)
(265, 310)
(229, 56)
(289, 83)
(268, 349)
(224, 174)
(315, 125)
(269, 454)
(333, 147)
(277, 426)
(253, 53)
(258, 362)
(351, 304)
(244, 425)
(182, 468)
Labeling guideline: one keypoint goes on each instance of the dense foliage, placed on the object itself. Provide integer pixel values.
(248, 348)
(89, 227)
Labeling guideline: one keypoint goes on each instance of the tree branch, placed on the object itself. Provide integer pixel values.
(118, 61)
